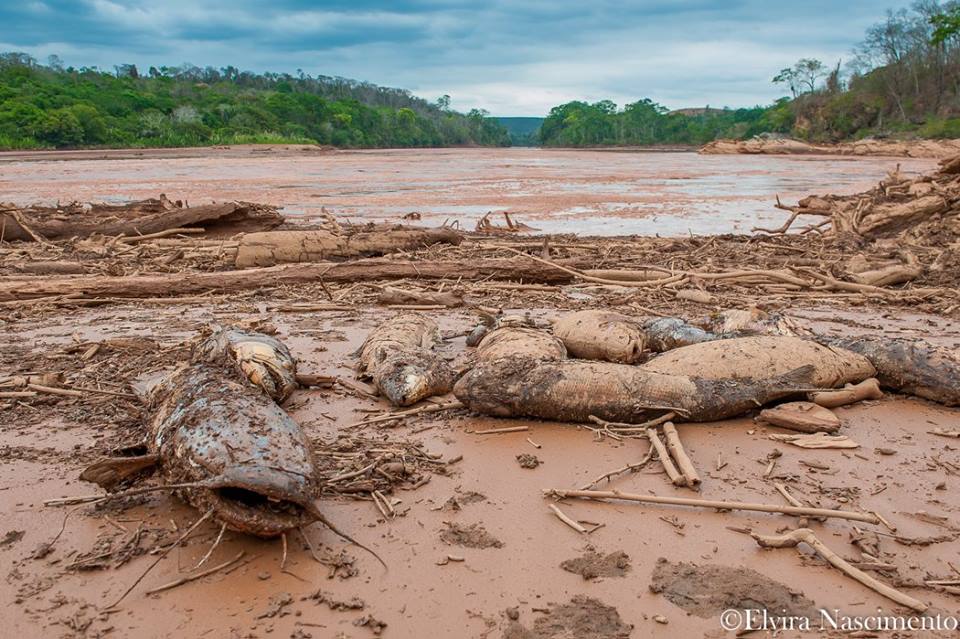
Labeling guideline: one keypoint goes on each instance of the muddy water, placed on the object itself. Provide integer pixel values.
(594, 192)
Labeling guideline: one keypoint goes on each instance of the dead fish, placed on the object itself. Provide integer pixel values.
(251, 464)
(763, 357)
(602, 335)
(517, 340)
(911, 366)
(399, 357)
(668, 333)
(614, 337)
(264, 360)
(573, 390)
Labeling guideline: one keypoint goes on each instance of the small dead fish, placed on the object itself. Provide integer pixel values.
(573, 390)
(264, 360)
(668, 333)
(911, 366)
(398, 356)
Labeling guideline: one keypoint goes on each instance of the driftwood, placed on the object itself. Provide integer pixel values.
(230, 281)
(806, 417)
(391, 296)
(807, 536)
(851, 393)
(280, 247)
(133, 219)
(713, 503)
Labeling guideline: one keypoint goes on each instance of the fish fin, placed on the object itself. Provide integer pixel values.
(326, 522)
(800, 377)
(110, 471)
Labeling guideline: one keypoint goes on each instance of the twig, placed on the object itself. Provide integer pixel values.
(805, 535)
(216, 542)
(160, 558)
(89, 499)
(710, 503)
(686, 467)
(497, 431)
(629, 467)
(565, 519)
(199, 575)
(419, 410)
(675, 477)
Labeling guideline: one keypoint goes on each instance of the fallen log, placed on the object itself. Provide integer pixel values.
(170, 284)
(136, 219)
(391, 295)
(280, 247)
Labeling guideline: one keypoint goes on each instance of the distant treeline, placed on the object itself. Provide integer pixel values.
(902, 80)
(44, 106)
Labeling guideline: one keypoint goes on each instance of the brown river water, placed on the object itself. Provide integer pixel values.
(591, 192)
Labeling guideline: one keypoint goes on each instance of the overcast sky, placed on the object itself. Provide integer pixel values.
(511, 58)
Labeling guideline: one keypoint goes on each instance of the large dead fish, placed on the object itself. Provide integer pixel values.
(911, 366)
(264, 360)
(398, 356)
(573, 390)
(247, 461)
(602, 335)
(614, 337)
(760, 357)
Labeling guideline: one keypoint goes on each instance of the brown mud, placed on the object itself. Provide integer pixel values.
(935, 149)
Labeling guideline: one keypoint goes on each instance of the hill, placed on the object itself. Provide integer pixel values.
(524, 131)
(50, 106)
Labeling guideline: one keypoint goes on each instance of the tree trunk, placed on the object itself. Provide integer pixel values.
(278, 247)
(228, 281)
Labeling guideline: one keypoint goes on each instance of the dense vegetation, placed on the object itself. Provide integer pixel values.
(52, 106)
(902, 80)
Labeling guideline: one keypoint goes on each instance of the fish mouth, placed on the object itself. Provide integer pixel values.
(260, 505)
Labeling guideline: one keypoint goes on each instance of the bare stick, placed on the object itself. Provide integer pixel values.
(429, 408)
(629, 467)
(710, 503)
(89, 499)
(283, 560)
(216, 542)
(497, 431)
(665, 460)
(565, 519)
(199, 575)
(686, 467)
(166, 551)
(805, 535)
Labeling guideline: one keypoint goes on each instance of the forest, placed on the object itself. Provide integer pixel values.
(53, 106)
(902, 80)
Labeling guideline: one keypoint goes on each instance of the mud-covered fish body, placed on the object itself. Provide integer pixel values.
(255, 462)
(762, 357)
(573, 390)
(602, 335)
(264, 360)
(668, 333)
(398, 356)
(911, 366)
(518, 340)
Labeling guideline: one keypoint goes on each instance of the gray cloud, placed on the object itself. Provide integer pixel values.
(511, 58)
